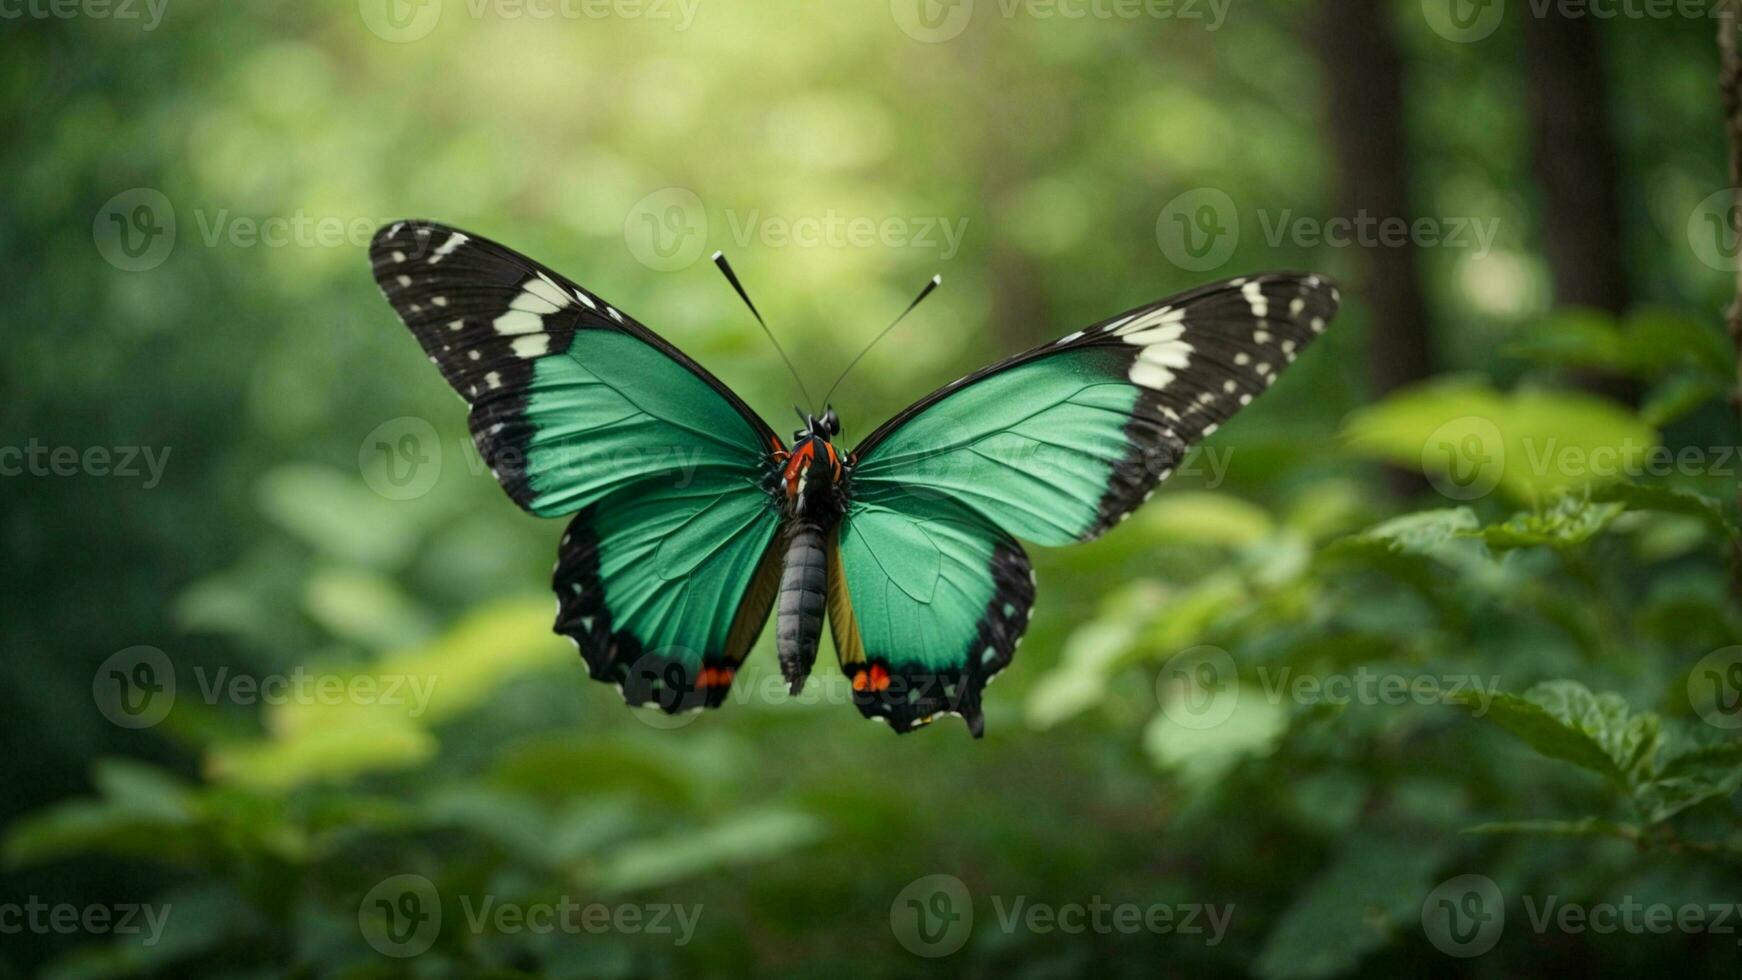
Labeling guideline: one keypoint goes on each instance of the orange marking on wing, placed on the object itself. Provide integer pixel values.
(714, 677)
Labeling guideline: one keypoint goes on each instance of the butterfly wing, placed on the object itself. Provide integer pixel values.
(927, 602)
(576, 407)
(1054, 445)
(1058, 443)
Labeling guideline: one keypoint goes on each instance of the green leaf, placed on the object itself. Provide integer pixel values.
(1650, 343)
(1678, 397)
(1203, 742)
(364, 607)
(1690, 777)
(1204, 518)
(743, 839)
(1424, 533)
(1570, 523)
(1371, 893)
(338, 515)
(1564, 720)
(1587, 827)
(1531, 444)
(1668, 500)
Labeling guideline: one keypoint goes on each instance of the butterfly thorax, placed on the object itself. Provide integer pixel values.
(813, 474)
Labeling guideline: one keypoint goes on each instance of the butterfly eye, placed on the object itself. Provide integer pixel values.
(832, 422)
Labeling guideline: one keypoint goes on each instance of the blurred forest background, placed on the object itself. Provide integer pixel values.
(308, 652)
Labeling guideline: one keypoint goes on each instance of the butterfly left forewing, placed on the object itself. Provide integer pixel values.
(663, 577)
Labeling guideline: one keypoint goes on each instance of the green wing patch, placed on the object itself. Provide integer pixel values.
(927, 603)
(664, 591)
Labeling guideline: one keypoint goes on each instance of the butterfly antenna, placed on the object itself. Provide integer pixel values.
(732, 277)
(923, 293)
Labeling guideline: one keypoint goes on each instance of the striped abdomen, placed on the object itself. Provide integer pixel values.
(798, 625)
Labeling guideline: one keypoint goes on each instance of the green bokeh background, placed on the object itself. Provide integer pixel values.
(273, 545)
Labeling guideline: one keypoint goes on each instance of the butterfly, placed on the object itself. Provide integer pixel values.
(692, 520)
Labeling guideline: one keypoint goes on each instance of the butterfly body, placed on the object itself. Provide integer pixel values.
(691, 521)
(814, 487)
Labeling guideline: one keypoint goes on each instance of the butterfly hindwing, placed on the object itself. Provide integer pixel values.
(926, 604)
(662, 579)
(1059, 443)
(663, 590)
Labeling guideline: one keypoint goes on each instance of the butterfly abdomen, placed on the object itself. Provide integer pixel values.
(803, 594)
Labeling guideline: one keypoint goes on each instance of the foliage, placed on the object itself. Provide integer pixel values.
(1278, 687)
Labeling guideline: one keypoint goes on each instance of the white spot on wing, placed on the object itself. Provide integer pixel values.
(1254, 293)
(532, 345)
(454, 241)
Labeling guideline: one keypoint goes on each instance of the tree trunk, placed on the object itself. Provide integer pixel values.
(1364, 81)
(1573, 157)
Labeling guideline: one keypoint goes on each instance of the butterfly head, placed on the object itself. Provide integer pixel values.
(824, 427)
